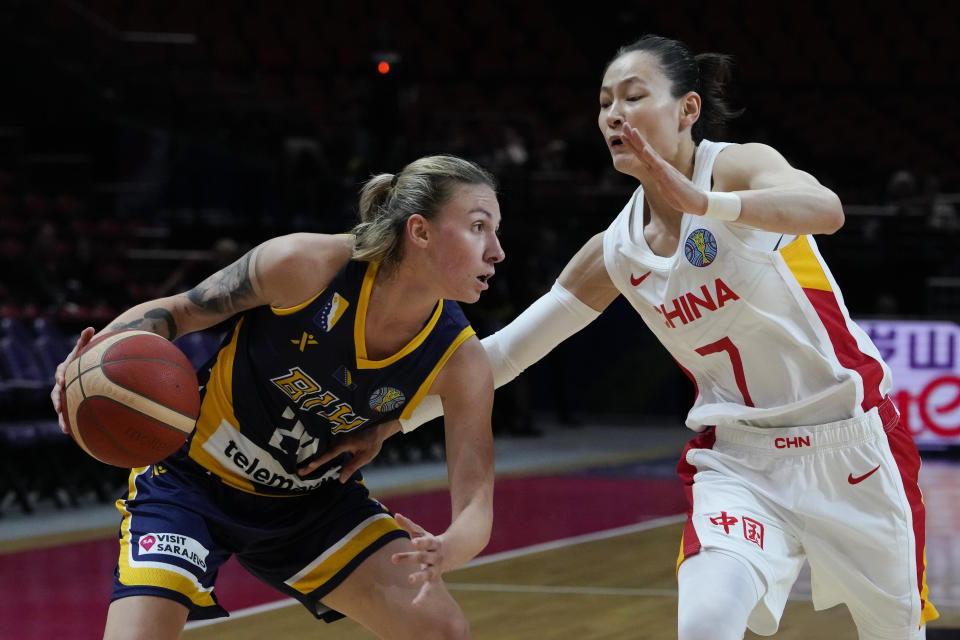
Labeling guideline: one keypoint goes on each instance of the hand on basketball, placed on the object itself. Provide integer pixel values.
(58, 376)
(363, 445)
(427, 555)
(679, 192)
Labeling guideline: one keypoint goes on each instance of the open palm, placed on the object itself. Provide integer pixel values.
(678, 191)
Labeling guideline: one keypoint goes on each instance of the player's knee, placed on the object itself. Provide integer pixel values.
(459, 629)
(716, 596)
(718, 616)
(451, 627)
(438, 620)
(706, 627)
(698, 629)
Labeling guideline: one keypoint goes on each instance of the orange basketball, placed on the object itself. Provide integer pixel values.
(131, 398)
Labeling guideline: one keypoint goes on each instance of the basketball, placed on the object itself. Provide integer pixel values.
(130, 398)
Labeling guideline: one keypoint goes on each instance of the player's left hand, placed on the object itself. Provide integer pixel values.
(427, 555)
(364, 445)
(679, 192)
(59, 376)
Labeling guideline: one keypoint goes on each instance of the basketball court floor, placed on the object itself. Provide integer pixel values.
(586, 534)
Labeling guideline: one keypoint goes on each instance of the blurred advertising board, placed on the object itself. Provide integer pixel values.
(924, 359)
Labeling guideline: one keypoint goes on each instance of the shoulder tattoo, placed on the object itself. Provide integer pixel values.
(226, 289)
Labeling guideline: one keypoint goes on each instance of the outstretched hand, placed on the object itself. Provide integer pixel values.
(427, 555)
(678, 191)
(59, 380)
(363, 445)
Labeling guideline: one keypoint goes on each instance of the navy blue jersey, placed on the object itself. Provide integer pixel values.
(287, 383)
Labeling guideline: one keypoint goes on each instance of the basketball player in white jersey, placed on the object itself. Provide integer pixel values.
(799, 453)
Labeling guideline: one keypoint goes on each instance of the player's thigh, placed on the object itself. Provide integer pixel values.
(379, 596)
(145, 618)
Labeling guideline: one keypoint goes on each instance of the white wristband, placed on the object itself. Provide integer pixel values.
(723, 205)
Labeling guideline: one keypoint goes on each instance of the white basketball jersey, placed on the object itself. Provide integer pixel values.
(754, 318)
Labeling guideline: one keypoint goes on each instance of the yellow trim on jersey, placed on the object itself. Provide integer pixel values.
(285, 311)
(321, 570)
(153, 576)
(216, 409)
(422, 391)
(680, 557)
(803, 263)
(359, 326)
(359, 321)
(929, 611)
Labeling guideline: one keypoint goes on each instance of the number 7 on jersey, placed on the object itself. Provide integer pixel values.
(725, 344)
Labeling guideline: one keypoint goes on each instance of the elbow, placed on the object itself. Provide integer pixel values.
(485, 530)
(482, 542)
(834, 218)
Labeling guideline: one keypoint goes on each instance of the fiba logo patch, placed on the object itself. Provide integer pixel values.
(386, 399)
(700, 248)
(331, 312)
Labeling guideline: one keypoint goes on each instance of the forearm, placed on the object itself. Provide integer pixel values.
(160, 316)
(553, 318)
(469, 532)
(794, 209)
(220, 296)
(533, 334)
(774, 196)
(169, 317)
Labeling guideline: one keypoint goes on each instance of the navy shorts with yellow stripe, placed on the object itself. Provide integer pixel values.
(180, 524)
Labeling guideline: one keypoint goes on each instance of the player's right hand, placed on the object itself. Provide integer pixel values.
(58, 377)
(679, 191)
(363, 446)
(427, 556)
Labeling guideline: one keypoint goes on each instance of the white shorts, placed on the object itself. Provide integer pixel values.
(842, 495)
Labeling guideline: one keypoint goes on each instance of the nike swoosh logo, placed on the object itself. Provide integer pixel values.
(860, 479)
(636, 281)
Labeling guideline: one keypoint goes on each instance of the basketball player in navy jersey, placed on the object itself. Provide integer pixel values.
(332, 336)
(800, 454)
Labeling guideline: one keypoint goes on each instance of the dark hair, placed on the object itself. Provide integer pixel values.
(386, 201)
(705, 73)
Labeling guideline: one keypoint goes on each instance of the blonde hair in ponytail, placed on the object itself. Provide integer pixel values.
(387, 200)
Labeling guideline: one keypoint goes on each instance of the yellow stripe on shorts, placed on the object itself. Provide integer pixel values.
(135, 573)
(321, 570)
(929, 611)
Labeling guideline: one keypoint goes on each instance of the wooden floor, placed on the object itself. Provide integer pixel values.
(615, 585)
(610, 589)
